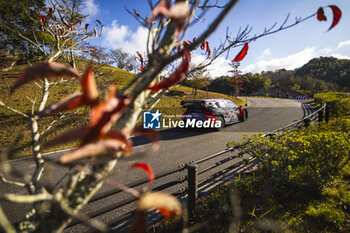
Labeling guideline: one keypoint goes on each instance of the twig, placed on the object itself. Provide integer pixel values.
(7, 181)
(17, 198)
(13, 110)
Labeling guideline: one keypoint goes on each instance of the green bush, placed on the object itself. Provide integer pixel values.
(339, 102)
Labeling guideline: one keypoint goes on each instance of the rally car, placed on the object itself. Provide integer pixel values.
(217, 109)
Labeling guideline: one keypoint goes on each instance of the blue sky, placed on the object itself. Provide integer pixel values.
(286, 49)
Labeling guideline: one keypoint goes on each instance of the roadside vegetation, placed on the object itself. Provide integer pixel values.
(302, 183)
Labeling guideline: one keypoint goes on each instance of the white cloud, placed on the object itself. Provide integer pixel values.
(340, 56)
(290, 62)
(265, 53)
(91, 9)
(343, 44)
(121, 36)
(218, 68)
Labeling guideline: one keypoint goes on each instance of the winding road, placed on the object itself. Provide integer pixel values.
(177, 146)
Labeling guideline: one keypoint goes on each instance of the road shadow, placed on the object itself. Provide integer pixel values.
(173, 134)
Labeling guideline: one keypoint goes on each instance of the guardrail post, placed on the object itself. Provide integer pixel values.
(327, 112)
(320, 116)
(192, 181)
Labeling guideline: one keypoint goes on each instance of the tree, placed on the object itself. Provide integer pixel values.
(16, 16)
(57, 36)
(120, 109)
(236, 79)
(255, 83)
(198, 80)
(123, 60)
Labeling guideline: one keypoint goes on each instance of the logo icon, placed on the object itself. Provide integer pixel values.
(151, 120)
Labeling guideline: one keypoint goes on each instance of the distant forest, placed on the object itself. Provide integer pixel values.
(318, 75)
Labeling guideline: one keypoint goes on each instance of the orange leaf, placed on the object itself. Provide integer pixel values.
(241, 54)
(160, 10)
(336, 15)
(95, 32)
(68, 103)
(44, 70)
(117, 135)
(177, 76)
(100, 147)
(146, 168)
(89, 87)
(163, 202)
(104, 114)
(320, 15)
(86, 26)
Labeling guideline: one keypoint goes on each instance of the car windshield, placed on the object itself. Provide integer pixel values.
(209, 105)
(221, 104)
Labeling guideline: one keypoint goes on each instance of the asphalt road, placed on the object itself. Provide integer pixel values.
(177, 146)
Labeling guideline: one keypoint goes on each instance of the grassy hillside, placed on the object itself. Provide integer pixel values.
(15, 131)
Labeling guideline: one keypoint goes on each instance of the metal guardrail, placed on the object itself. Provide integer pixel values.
(224, 161)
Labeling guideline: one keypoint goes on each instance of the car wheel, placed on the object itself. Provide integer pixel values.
(222, 125)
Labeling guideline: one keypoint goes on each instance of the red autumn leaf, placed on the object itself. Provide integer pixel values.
(100, 147)
(51, 12)
(43, 19)
(164, 203)
(203, 45)
(160, 10)
(86, 26)
(44, 70)
(89, 87)
(146, 168)
(141, 69)
(95, 32)
(336, 15)
(151, 134)
(175, 77)
(104, 114)
(207, 48)
(98, 21)
(241, 54)
(79, 21)
(320, 15)
(68, 103)
(117, 135)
